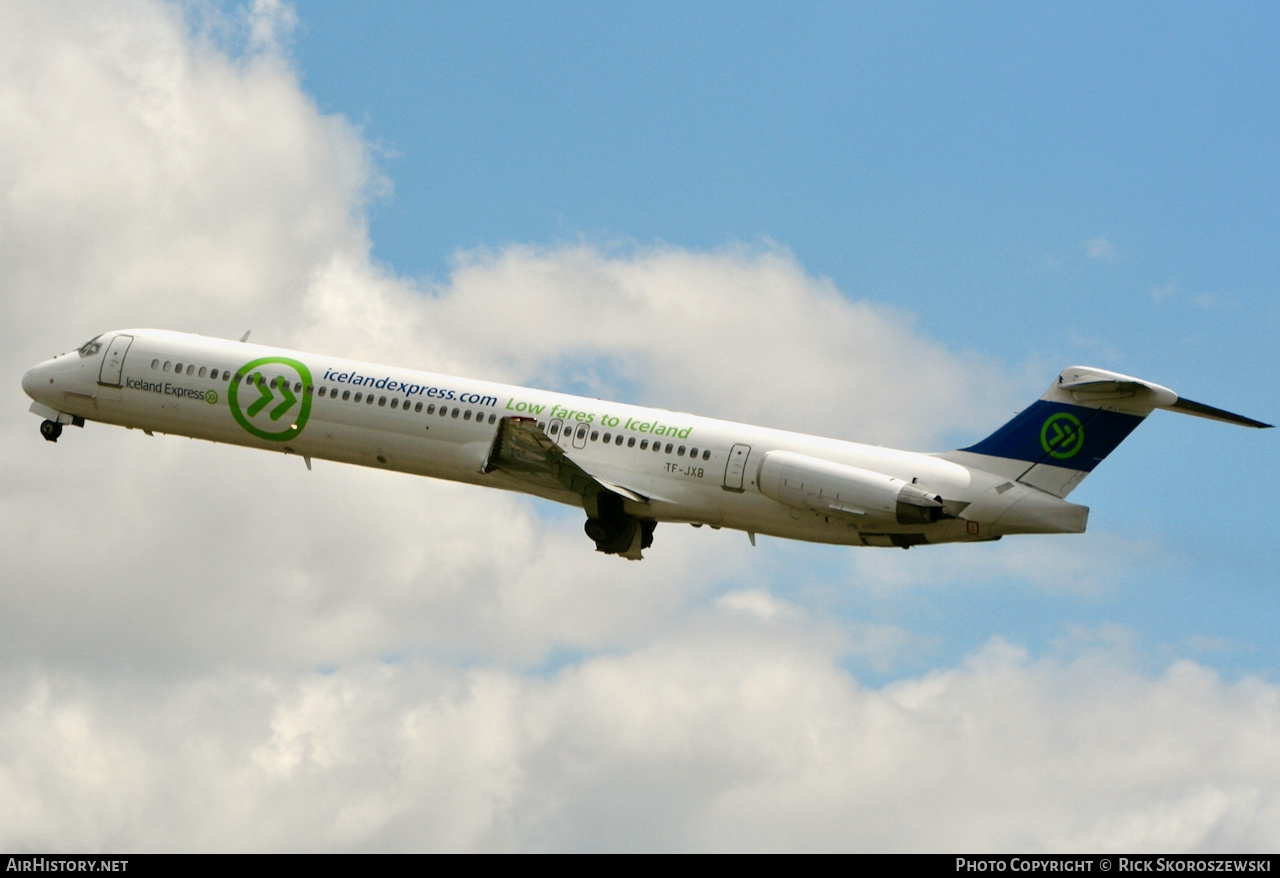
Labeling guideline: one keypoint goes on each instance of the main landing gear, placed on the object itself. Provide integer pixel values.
(617, 533)
(50, 430)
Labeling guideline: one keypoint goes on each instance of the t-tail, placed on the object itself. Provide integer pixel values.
(1078, 421)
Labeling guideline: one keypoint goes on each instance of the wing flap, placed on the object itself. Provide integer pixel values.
(522, 450)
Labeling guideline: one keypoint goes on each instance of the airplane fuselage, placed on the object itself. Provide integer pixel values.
(617, 461)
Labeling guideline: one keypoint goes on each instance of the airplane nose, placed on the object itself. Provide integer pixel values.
(36, 381)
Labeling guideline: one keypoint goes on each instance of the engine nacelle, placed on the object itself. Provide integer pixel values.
(822, 486)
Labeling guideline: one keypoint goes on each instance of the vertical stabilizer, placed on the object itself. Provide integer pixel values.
(1083, 416)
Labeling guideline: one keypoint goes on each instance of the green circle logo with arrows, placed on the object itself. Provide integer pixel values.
(275, 405)
(1062, 435)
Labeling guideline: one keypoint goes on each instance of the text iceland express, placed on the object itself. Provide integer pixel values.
(165, 388)
(395, 386)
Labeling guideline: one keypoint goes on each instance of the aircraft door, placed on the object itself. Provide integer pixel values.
(736, 467)
(113, 362)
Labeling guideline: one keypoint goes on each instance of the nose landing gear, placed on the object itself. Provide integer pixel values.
(50, 430)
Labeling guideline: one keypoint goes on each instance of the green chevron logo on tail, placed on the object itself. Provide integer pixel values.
(281, 407)
(1062, 435)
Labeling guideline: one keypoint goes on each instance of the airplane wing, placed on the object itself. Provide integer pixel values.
(520, 449)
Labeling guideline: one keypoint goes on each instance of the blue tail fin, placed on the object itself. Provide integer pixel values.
(1078, 421)
(1060, 434)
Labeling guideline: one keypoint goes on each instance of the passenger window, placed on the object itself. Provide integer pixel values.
(190, 369)
(680, 452)
(607, 438)
(492, 418)
(431, 408)
(631, 441)
(693, 452)
(359, 396)
(644, 444)
(177, 370)
(466, 416)
(417, 407)
(213, 374)
(395, 403)
(167, 364)
(455, 412)
(668, 448)
(155, 364)
(595, 434)
(706, 454)
(202, 371)
(555, 428)
(346, 395)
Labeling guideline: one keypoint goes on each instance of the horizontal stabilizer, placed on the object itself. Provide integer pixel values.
(1200, 410)
(1104, 389)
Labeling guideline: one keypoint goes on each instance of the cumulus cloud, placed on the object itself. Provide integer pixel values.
(1089, 564)
(734, 734)
(210, 647)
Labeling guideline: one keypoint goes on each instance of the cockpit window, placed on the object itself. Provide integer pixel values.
(91, 347)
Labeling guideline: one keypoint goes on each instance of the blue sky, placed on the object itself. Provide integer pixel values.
(954, 161)
(1039, 184)
(885, 223)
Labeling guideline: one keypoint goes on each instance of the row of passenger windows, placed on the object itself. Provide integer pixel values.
(191, 369)
(430, 408)
(323, 391)
(618, 439)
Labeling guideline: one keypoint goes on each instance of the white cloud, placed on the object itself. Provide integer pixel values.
(726, 737)
(742, 333)
(1086, 565)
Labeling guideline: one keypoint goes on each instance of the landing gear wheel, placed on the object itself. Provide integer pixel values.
(617, 533)
(597, 530)
(51, 430)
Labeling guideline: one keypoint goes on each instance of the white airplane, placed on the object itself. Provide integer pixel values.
(628, 467)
